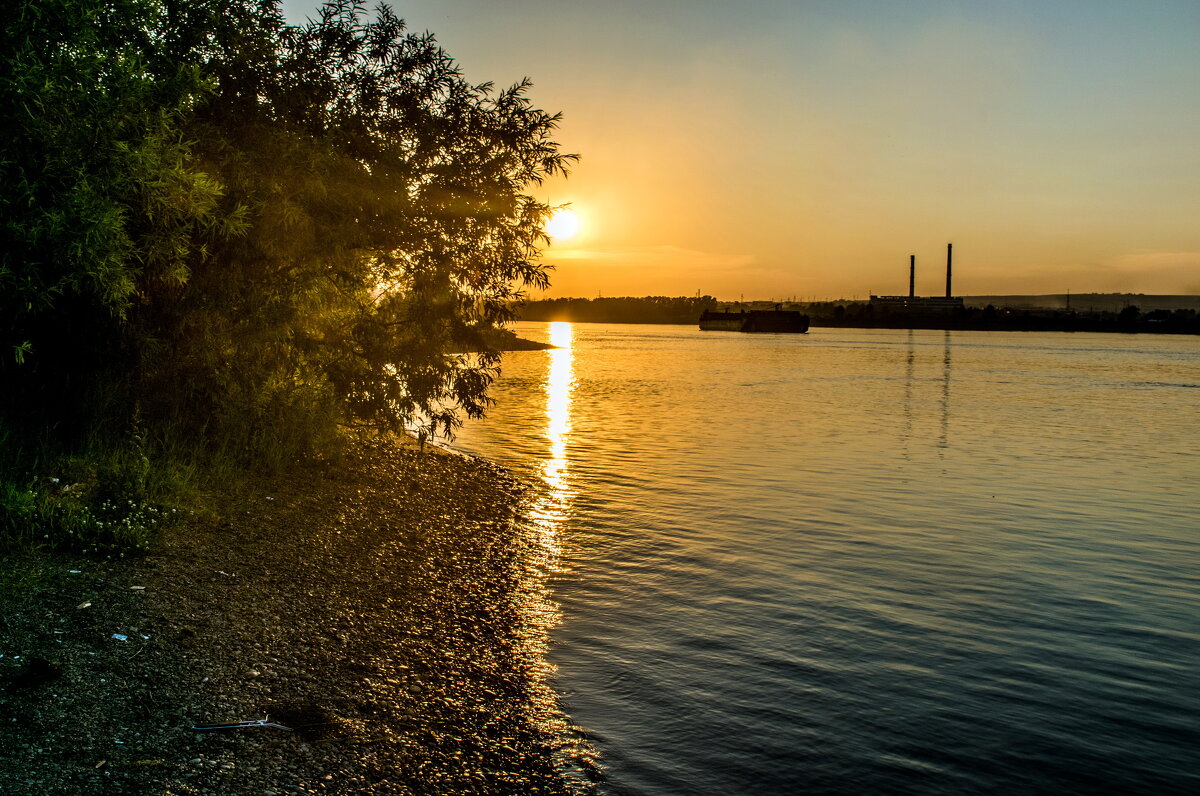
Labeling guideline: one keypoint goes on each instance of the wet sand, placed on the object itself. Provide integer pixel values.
(388, 608)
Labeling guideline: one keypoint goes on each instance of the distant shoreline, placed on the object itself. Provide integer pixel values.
(1051, 313)
(929, 324)
(1018, 322)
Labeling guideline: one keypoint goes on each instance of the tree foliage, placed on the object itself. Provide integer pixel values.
(245, 231)
(97, 198)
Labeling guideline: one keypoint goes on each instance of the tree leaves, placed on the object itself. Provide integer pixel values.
(262, 230)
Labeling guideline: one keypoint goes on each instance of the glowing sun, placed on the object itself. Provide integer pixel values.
(562, 225)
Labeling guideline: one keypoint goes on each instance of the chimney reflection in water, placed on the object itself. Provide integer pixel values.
(944, 440)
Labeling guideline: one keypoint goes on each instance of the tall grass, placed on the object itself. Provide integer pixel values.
(111, 492)
(102, 499)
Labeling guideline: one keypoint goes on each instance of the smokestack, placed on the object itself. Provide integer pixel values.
(949, 258)
(912, 275)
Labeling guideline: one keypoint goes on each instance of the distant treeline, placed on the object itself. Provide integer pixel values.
(991, 318)
(687, 310)
(625, 309)
(1087, 302)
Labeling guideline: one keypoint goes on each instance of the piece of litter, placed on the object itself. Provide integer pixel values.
(118, 740)
(74, 571)
(222, 572)
(270, 498)
(240, 725)
(145, 637)
(56, 632)
(137, 588)
(120, 637)
(101, 764)
(81, 606)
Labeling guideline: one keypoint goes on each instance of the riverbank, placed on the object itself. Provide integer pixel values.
(992, 320)
(1092, 313)
(384, 607)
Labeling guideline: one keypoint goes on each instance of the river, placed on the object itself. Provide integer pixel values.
(866, 561)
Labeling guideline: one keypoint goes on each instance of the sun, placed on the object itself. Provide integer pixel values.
(563, 225)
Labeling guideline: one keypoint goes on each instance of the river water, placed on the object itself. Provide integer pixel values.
(867, 561)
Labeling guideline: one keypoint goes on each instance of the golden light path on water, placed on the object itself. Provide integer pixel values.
(560, 381)
(548, 513)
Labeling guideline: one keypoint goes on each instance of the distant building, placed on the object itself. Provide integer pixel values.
(921, 304)
(917, 303)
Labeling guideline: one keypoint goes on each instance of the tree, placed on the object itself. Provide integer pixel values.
(98, 198)
(390, 229)
(261, 230)
(1129, 316)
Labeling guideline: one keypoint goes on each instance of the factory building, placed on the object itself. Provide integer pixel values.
(914, 303)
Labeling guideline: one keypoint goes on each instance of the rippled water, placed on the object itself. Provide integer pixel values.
(868, 561)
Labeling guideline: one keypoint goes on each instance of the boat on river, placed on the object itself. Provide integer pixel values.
(776, 321)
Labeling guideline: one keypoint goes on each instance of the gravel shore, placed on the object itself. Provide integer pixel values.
(387, 609)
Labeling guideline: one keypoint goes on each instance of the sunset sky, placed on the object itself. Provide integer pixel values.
(767, 148)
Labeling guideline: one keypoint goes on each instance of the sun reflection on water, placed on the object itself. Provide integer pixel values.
(548, 514)
(559, 383)
(554, 505)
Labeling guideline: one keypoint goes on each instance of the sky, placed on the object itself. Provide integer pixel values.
(771, 149)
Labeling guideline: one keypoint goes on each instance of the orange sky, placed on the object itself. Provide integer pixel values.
(769, 148)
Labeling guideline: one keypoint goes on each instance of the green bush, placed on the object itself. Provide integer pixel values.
(224, 239)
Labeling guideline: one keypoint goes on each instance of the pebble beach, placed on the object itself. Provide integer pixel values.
(386, 609)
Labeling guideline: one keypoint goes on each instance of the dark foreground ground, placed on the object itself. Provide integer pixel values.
(388, 608)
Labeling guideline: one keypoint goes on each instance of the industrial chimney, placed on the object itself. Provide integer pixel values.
(912, 275)
(949, 258)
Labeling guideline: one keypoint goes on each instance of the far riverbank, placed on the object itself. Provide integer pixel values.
(1159, 315)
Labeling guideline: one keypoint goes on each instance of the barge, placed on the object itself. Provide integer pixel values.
(778, 321)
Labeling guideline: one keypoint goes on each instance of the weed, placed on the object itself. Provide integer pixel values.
(52, 519)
